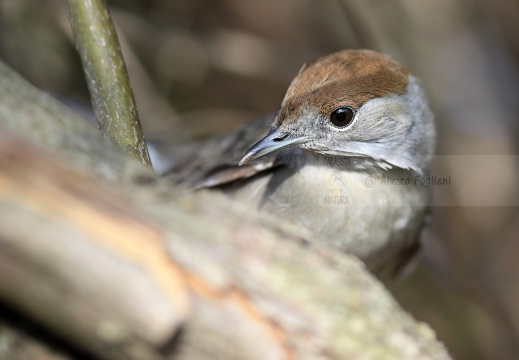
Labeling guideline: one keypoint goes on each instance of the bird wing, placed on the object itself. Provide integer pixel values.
(409, 256)
(215, 162)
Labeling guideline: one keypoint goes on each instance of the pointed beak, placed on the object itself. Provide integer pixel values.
(275, 141)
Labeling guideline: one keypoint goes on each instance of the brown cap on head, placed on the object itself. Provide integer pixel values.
(345, 78)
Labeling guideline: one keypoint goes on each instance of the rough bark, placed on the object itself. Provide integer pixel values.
(101, 251)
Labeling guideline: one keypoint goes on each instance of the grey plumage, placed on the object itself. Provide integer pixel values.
(354, 186)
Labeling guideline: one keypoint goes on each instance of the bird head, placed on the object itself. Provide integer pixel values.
(354, 104)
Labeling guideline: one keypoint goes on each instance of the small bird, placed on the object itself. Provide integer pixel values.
(341, 158)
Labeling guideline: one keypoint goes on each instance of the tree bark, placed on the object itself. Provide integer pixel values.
(119, 262)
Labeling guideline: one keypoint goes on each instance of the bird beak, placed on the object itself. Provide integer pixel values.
(275, 141)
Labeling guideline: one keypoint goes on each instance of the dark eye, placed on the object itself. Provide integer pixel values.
(342, 117)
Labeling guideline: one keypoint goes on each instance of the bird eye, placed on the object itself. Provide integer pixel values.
(342, 117)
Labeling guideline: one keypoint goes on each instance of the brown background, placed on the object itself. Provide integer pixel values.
(201, 67)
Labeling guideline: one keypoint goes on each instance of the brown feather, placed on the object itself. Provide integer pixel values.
(346, 78)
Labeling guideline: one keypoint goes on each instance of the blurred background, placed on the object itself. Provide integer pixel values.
(203, 67)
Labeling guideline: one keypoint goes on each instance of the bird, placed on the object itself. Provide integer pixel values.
(341, 158)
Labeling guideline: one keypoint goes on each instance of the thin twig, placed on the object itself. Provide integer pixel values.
(108, 82)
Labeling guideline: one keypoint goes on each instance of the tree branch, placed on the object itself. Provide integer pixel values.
(107, 78)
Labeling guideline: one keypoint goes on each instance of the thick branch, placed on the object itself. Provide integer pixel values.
(91, 264)
(107, 78)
